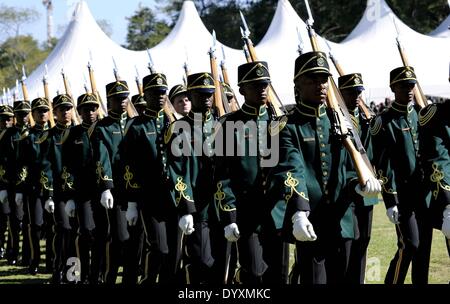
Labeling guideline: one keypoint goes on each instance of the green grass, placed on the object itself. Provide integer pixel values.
(381, 250)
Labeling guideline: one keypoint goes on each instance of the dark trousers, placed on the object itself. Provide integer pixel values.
(15, 219)
(4, 212)
(85, 241)
(36, 221)
(132, 254)
(163, 245)
(358, 252)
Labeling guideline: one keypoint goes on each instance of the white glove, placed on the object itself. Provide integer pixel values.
(19, 199)
(186, 223)
(348, 125)
(132, 213)
(49, 205)
(3, 196)
(70, 208)
(392, 214)
(107, 199)
(302, 228)
(371, 188)
(232, 232)
(446, 222)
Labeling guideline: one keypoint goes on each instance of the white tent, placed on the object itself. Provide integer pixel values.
(443, 30)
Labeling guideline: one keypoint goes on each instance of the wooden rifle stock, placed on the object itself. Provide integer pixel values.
(26, 99)
(219, 103)
(102, 111)
(51, 119)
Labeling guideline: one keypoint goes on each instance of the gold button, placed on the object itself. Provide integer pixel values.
(319, 128)
(324, 164)
(326, 192)
(325, 173)
(322, 154)
(321, 136)
(322, 145)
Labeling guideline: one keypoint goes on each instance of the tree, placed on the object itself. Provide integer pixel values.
(11, 19)
(144, 30)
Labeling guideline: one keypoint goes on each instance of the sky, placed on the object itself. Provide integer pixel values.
(113, 11)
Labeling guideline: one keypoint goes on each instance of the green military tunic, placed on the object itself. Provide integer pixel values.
(434, 135)
(396, 154)
(149, 175)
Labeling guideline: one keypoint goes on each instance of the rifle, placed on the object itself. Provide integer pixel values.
(16, 98)
(75, 116)
(419, 96)
(273, 98)
(233, 103)
(102, 111)
(168, 108)
(26, 98)
(138, 82)
(362, 104)
(131, 110)
(340, 114)
(220, 101)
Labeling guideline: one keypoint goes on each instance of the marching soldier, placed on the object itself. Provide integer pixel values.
(78, 177)
(6, 118)
(10, 155)
(331, 183)
(434, 135)
(152, 194)
(359, 214)
(178, 97)
(139, 103)
(63, 239)
(33, 178)
(106, 138)
(242, 197)
(396, 154)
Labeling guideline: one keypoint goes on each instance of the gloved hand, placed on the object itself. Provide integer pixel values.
(107, 199)
(70, 208)
(232, 232)
(446, 222)
(371, 188)
(348, 125)
(186, 223)
(3, 196)
(19, 199)
(132, 213)
(302, 228)
(392, 214)
(49, 205)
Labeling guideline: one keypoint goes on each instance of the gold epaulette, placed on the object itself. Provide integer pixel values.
(91, 129)
(277, 125)
(426, 114)
(42, 138)
(375, 127)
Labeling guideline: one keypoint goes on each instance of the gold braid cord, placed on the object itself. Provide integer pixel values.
(181, 187)
(291, 182)
(384, 181)
(128, 176)
(100, 175)
(65, 176)
(436, 177)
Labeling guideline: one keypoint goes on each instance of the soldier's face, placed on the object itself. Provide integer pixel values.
(403, 91)
(312, 88)
(155, 98)
(201, 101)
(89, 113)
(22, 118)
(351, 97)
(182, 104)
(41, 116)
(6, 121)
(119, 103)
(63, 114)
(255, 93)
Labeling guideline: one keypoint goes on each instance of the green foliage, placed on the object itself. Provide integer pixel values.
(144, 30)
(12, 18)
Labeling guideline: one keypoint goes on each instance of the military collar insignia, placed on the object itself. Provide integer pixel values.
(62, 127)
(85, 125)
(253, 111)
(117, 116)
(153, 113)
(41, 127)
(401, 108)
(311, 111)
(205, 116)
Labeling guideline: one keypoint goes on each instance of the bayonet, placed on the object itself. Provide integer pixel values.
(24, 74)
(301, 46)
(246, 32)
(115, 70)
(223, 56)
(150, 62)
(310, 20)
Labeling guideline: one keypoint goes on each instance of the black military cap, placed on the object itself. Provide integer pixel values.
(404, 73)
(203, 82)
(22, 106)
(138, 100)
(351, 81)
(6, 110)
(257, 71)
(227, 89)
(87, 99)
(176, 90)
(62, 100)
(117, 88)
(155, 81)
(40, 103)
(310, 63)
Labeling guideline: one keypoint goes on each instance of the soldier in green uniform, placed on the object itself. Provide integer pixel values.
(6, 116)
(33, 178)
(396, 154)
(78, 175)
(152, 190)
(178, 97)
(331, 183)
(106, 139)
(242, 196)
(139, 103)
(434, 135)
(359, 214)
(9, 158)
